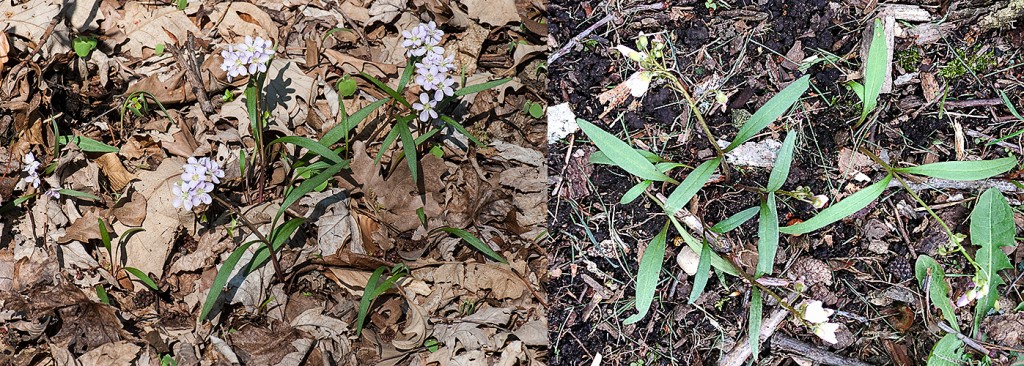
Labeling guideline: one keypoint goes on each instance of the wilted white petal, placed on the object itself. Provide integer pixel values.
(630, 53)
(827, 331)
(638, 83)
(815, 313)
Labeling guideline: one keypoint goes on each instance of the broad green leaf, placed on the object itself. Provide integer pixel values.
(948, 351)
(874, 70)
(481, 87)
(767, 236)
(716, 261)
(754, 325)
(83, 45)
(841, 209)
(475, 242)
(938, 289)
(700, 280)
(781, 169)
(79, 194)
(87, 144)
(621, 154)
(536, 110)
(771, 111)
(632, 194)
(310, 145)
(409, 148)
(346, 87)
(691, 185)
(144, 278)
(222, 279)
(647, 276)
(308, 186)
(992, 227)
(338, 132)
(963, 170)
(735, 221)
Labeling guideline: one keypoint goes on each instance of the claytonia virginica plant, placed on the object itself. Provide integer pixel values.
(818, 317)
(433, 71)
(247, 58)
(197, 180)
(30, 167)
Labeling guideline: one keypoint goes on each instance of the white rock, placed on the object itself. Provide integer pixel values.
(689, 260)
(561, 122)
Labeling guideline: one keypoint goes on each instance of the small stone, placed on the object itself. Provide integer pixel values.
(689, 260)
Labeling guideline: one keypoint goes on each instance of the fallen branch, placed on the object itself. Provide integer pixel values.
(785, 343)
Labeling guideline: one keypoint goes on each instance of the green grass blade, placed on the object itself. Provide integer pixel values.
(632, 194)
(105, 237)
(79, 194)
(369, 293)
(252, 97)
(767, 236)
(963, 170)
(703, 272)
(841, 209)
(621, 154)
(144, 278)
(387, 89)
(874, 71)
(409, 148)
(770, 111)
(691, 185)
(410, 66)
(480, 87)
(310, 145)
(277, 238)
(735, 221)
(781, 169)
(475, 242)
(338, 132)
(1013, 111)
(598, 157)
(222, 279)
(308, 186)
(938, 289)
(462, 129)
(992, 228)
(716, 261)
(87, 144)
(647, 276)
(858, 90)
(754, 325)
(386, 145)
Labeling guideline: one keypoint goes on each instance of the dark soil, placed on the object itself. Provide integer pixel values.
(675, 332)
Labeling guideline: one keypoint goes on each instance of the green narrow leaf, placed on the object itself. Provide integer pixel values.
(841, 209)
(462, 129)
(1013, 111)
(277, 238)
(963, 170)
(598, 157)
(771, 111)
(79, 194)
(222, 279)
(387, 89)
(948, 351)
(102, 294)
(938, 289)
(874, 70)
(992, 228)
(410, 66)
(367, 299)
(647, 276)
(700, 280)
(480, 87)
(338, 132)
(144, 278)
(735, 221)
(781, 169)
(754, 325)
(691, 185)
(858, 90)
(767, 236)
(308, 186)
(621, 154)
(632, 194)
(252, 96)
(475, 242)
(716, 261)
(105, 237)
(310, 145)
(87, 144)
(409, 148)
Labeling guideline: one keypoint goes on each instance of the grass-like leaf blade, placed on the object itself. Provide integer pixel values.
(338, 132)
(475, 242)
(992, 228)
(770, 111)
(311, 145)
(841, 209)
(79, 194)
(734, 221)
(647, 276)
(781, 169)
(307, 186)
(277, 238)
(105, 237)
(387, 89)
(222, 279)
(691, 185)
(481, 87)
(700, 280)
(144, 278)
(963, 170)
(632, 194)
(754, 325)
(409, 147)
(767, 236)
(623, 155)
(87, 144)
(874, 70)
(462, 129)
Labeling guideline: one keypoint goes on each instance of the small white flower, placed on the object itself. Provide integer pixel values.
(819, 201)
(32, 179)
(30, 163)
(426, 107)
(815, 313)
(827, 332)
(631, 53)
(52, 193)
(639, 83)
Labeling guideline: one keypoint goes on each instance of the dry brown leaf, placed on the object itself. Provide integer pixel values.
(83, 15)
(83, 229)
(131, 210)
(492, 12)
(147, 25)
(385, 11)
(148, 249)
(243, 19)
(111, 166)
(113, 354)
(30, 20)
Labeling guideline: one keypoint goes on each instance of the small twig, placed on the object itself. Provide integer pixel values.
(967, 340)
(814, 353)
(608, 18)
(188, 64)
(977, 134)
(270, 247)
(973, 103)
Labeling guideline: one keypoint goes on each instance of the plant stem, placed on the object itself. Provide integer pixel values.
(678, 86)
(270, 247)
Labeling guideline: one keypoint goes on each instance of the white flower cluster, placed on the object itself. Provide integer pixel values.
(30, 166)
(247, 58)
(196, 183)
(433, 71)
(818, 316)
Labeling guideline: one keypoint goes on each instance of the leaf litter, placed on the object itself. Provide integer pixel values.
(132, 102)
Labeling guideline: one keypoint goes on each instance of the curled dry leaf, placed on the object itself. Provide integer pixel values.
(492, 12)
(240, 19)
(147, 25)
(119, 177)
(131, 210)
